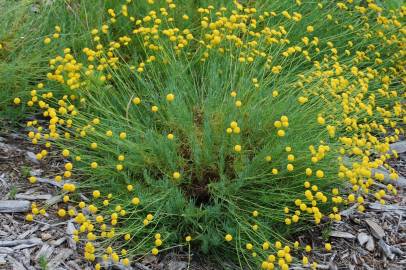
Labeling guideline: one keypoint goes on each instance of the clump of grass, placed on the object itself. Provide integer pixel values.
(25, 171)
(13, 192)
(222, 126)
(43, 263)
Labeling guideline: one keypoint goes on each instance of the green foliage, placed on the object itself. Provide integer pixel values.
(43, 263)
(25, 171)
(229, 125)
(23, 56)
(391, 4)
(13, 192)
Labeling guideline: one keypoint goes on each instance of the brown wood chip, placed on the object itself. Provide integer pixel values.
(376, 230)
(14, 206)
(13, 243)
(60, 258)
(339, 234)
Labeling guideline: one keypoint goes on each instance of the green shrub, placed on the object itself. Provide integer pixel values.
(223, 127)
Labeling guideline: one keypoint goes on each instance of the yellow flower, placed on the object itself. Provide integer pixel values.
(154, 251)
(32, 179)
(115, 257)
(188, 238)
(17, 101)
(65, 152)
(47, 40)
(228, 237)
(305, 260)
(96, 194)
(281, 133)
(135, 201)
(123, 135)
(170, 97)
(154, 108)
(68, 166)
(170, 136)
(319, 174)
(176, 175)
(321, 120)
(158, 242)
(136, 100)
(237, 148)
(99, 219)
(125, 261)
(69, 187)
(61, 212)
(35, 210)
(302, 100)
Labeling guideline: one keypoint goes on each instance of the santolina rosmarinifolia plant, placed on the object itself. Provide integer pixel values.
(228, 127)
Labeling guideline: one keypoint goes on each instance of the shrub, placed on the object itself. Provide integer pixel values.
(228, 126)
